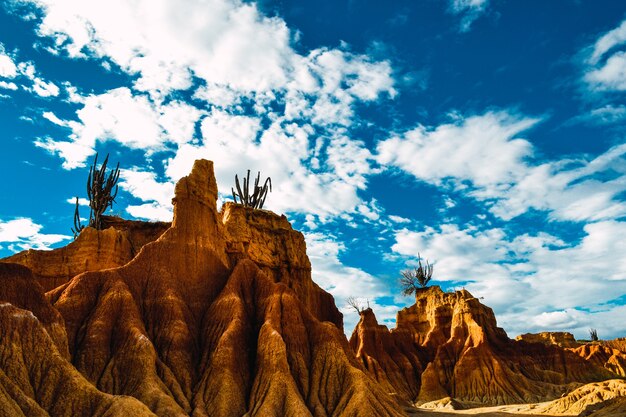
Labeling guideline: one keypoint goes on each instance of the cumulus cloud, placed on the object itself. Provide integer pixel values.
(469, 10)
(157, 196)
(255, 98)
(558, 285)
(117, 115)
(22, 234)
(485, 158)
(484, 150)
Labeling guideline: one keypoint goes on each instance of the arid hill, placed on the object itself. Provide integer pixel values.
(449, 345)
(216, 317)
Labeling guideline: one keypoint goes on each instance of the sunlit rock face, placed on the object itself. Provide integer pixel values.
(448, 345)
(93, 250)
(215, 316)
(563, 339)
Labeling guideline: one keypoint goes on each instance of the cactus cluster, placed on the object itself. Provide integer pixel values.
(251, 197)
(417, 278)
(101, 191)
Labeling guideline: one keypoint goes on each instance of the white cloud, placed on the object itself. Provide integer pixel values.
(611, 75)
(81, 201)
(8, 69)
(239, 60)
(484, 150)
(486, 160)
(606, 71)
(538, 276)
(577, 190)
(22, 234)
(239, 143)
(8, 85)
(45, 89)
(131, 120)
(470, 10)
(157, 196)
(608, 41)
(605, 115)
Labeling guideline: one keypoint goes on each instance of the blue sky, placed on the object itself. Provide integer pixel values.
(486, 135)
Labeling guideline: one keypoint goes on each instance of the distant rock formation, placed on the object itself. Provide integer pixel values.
(448, 345)
(602, 355)
(216, 317)
(563, 339)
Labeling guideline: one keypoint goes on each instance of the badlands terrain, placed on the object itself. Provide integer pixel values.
(216, 314)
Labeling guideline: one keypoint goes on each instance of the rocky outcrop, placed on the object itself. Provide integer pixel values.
(562, 339)
(464, 355)
(93, 250)
(602, 355)
(271, 243)
(216, 317)
(394, 360)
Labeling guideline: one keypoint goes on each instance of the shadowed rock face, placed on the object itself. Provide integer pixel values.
(448, 345)
(217, 317)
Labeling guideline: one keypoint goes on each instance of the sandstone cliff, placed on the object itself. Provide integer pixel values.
(448, 345)
(216, 317)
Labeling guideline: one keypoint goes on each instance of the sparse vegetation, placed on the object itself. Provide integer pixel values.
(101, 191)
(414, 279)
(356, 304)
(593, 335)
(78, 227)
(251, 197)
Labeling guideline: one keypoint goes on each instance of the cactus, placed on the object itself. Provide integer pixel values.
(100, 190)
(78, 227)
(412, 280)
(259, 193)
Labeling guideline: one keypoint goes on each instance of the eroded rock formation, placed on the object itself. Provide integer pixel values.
(216, 317)
(94, 250)
(454, 339)
(563, 339)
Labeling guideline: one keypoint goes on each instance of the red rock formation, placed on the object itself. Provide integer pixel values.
(602, 355)
(271, 243)
(93, 250)
(562, 339)
(465, 355)
(217, 317)
(393, 359)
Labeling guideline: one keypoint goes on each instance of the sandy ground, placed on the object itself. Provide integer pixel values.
(499, 411)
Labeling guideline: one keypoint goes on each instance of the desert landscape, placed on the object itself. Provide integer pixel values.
(216, 314)
(330, 208)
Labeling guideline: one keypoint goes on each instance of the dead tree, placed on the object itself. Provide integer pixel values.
(101, 190)
(417, 278)
(355, 304)
(251, 197)
(593, 334)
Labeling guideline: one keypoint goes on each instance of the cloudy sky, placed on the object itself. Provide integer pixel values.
(486, 135)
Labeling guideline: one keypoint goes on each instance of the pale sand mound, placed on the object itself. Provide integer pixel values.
(599, 399)
(582, 398)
